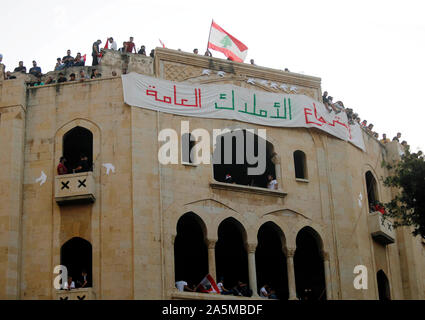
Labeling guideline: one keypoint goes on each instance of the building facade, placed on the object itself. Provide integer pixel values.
(137, 226)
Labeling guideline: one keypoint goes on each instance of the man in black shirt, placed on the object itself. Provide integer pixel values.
(83, 165)
(21, 68)
(95, 52)
(36, 71)
(68, 60)
(61, 78)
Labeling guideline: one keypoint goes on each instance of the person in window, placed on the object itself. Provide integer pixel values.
(62, 169)
(272, 183)
(241, 289)
(264, 291)
(183, 286)
(228, 178)
(272, 294)
(83, 282)
(83, 165)
(222, 289)
(69, 284)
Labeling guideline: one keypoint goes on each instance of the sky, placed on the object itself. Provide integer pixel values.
(369, 54)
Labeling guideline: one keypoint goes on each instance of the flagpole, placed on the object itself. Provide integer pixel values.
(209, 36)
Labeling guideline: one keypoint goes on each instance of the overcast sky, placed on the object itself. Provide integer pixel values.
(369, 54)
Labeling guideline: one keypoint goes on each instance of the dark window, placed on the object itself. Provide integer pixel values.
(300, 164)
(372, 191)
(231, 158)
(187, 147)
(190, 250)
(76, 255)
(76, 142)
(383, 286)
(230, 253)
(270, 261)
(309, 268)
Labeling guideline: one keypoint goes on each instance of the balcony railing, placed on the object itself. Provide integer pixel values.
(381, 228)
(75, 188)
(75, 294)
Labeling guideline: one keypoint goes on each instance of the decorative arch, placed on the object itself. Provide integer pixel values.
(384, 291)
(371, 189)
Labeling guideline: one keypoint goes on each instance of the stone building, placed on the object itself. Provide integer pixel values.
(142, 226)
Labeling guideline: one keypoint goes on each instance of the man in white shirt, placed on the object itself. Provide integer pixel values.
(264, 292)
(69, 284)
(182, 286)
(112, 44)
(272, 185)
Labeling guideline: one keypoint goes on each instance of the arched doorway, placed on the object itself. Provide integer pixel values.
(309, 267)
(190, 250)
(383, 286)
(231, 158)
(76, 256)
(76, 142)
(270, 260)
(230, 253)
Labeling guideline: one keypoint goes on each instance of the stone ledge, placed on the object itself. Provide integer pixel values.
(247, 189)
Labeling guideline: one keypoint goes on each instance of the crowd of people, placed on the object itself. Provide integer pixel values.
(338, 107)
(82, 166)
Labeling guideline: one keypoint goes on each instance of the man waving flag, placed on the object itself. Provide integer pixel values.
(222, 41)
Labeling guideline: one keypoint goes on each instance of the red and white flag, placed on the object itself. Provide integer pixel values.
(222, 41)
(208, 285)
(162, 44)
(84, 58)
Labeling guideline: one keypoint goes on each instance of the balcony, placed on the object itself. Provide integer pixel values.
(75, 294)
(381, 228)
(75, 188)
(177, 295)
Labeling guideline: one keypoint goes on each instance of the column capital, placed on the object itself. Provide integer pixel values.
(251, 247)
(290, 252)
(211, 243)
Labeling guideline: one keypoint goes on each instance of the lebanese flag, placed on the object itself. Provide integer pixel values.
(222, 41)
(84, 58)
(208, 285)
(162, 43)
(107, 44)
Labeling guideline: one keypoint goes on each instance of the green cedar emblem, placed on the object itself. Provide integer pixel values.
(226, 42)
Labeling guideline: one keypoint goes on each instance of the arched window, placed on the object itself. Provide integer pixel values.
(77, 142)
(270, 260)
(187, 146)
(76, 255)
(240, 150)
(372, 191)
(309, 267)
(230, 253)
(383, 286)
(300, 164)
(190, 250)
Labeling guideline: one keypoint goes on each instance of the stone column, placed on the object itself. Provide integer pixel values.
(252, 272)
(327, 268)
(291, 274)
(211, 258)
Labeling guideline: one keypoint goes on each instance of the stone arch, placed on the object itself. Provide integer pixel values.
(190, 249)
(384, 292)
(270, 259)
(77, 255)
(300, 164)
(83, 123)
(309, 265)
(372, 187)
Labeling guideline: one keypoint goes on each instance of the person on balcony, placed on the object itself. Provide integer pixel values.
(62, 169)
(222, 289)
(83, 165)
(83, 282)
(272, 184)
(69, 284)
(183, 286)
(241, 289)
(264, 291)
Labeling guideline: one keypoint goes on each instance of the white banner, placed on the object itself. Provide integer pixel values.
(223, 101)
